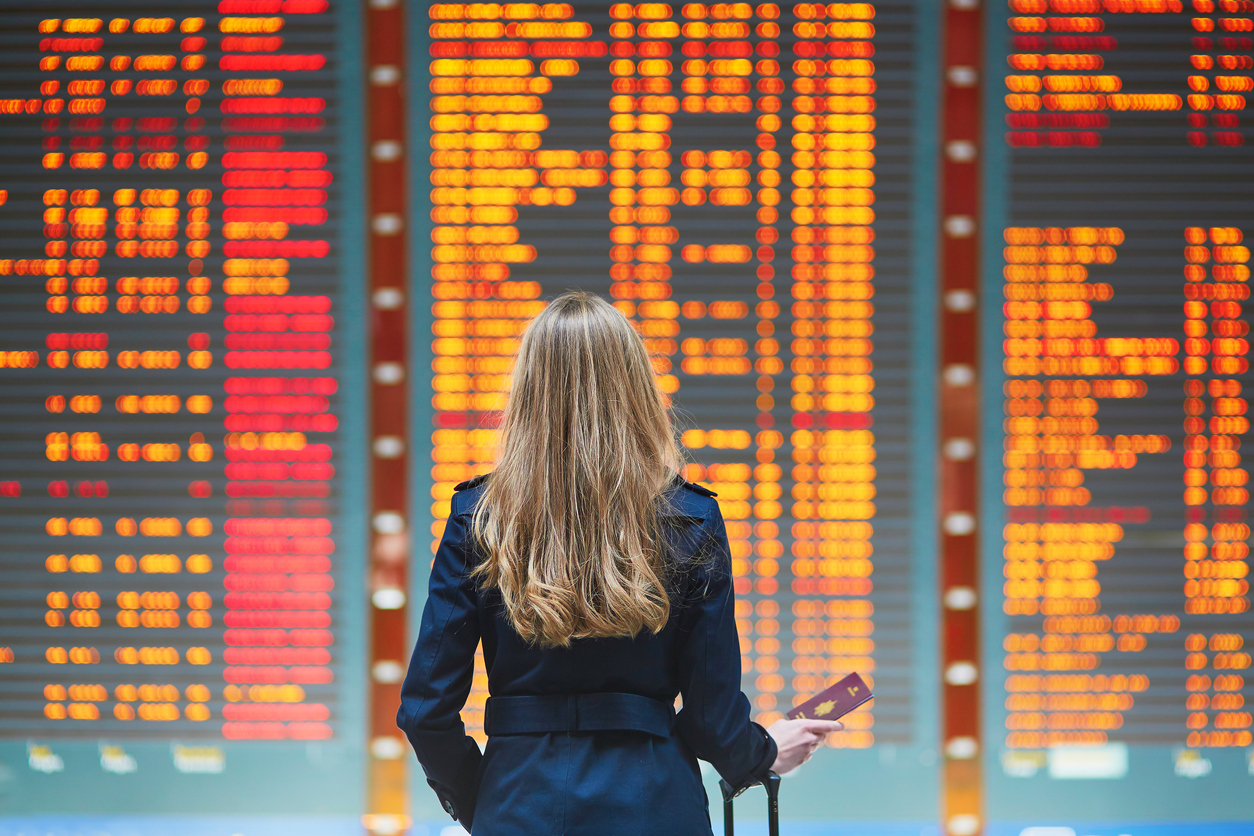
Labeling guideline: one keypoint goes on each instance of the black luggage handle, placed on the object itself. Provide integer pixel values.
(771, 784)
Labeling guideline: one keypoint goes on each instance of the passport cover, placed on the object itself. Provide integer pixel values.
(835, 702)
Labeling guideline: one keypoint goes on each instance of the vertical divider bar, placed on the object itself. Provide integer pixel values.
(961, 51)
(387, 802)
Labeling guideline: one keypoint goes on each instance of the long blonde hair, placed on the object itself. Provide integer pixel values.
(569, 518)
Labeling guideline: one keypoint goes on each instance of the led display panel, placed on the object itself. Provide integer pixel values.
(738, 179)
(1116, 549)
(177, 561)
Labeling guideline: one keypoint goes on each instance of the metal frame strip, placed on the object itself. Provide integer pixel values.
(961, 117)
(388, 792)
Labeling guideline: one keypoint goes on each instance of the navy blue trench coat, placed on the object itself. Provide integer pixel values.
(584, 739)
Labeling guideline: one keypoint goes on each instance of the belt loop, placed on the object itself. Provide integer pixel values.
(572, 713)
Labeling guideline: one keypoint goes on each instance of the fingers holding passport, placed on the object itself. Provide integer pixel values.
(798, 739)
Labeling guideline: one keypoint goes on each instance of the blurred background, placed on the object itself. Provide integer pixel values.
(948, 298)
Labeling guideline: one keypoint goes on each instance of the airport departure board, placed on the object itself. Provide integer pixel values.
(172, 367)
(737, 179)
(1116, 297)
(754, 185)
(743, 181)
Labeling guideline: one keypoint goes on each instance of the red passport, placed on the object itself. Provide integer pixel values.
(836, 701)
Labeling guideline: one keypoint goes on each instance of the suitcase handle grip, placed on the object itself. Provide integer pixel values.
(771, 784)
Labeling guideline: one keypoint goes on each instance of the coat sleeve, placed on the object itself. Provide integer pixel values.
(714, 721)
(440, 674)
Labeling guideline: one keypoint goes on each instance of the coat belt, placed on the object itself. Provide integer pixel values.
(568, 713)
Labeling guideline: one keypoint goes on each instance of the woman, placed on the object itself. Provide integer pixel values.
(600, 585)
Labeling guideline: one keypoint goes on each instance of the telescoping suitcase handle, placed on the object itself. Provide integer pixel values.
(772, 805)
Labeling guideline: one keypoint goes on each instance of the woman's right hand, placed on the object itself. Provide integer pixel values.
(797, 740)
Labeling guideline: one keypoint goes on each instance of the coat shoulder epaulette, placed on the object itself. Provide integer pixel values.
(697, 489)
(471, 483)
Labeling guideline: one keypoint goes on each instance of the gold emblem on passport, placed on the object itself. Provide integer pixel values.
(824, 708)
